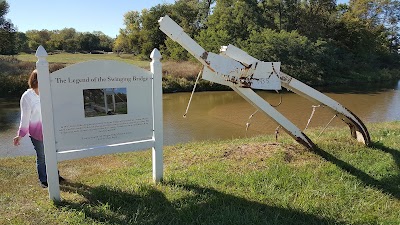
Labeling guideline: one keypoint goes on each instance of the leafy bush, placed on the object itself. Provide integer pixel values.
(14, 74)
(174, 51)
(297, 53)
(321, 62)
(10, 65)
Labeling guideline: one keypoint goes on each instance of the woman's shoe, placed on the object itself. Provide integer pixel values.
(61, 179)
(44, 184)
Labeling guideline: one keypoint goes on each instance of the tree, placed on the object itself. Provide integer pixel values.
(293, 50)
(174, 51)
(88, 42)
(230, 22)
(36, 38)
(204, 11)
(391, 20)
(7, 32)
(105, 42)
(68, 39)
(121, 43)
(190, 15)
(151, 36)
(272, 13)
(372, 31)
(21, 42)
(129, 39)
(141, 34)
(317, 18)
(290, 12)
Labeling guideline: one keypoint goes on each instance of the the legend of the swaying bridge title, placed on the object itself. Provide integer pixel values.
(100, 79)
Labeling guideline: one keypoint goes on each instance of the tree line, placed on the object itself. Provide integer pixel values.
(318, 41)
(67, 39)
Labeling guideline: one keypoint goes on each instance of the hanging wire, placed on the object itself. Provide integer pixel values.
(312, 114)
(327, 125)
(249, 120)
(248, 123)
(280, 100)
(194, 87)
(276, 133)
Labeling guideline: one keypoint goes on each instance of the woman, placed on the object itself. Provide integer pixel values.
(31, 123)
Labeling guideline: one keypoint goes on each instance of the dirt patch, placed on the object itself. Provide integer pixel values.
(298, 156)
(293, 154)
(254, 151)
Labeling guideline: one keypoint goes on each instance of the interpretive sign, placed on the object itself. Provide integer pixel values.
(99, 107)
(101, 103)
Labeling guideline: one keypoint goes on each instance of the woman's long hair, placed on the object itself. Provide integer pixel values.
(33, 81)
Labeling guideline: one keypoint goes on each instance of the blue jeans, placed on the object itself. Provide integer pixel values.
(40, 159)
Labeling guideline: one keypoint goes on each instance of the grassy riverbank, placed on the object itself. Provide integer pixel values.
(243, 181)
(177, 76)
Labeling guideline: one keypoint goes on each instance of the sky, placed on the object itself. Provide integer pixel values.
(84, 15)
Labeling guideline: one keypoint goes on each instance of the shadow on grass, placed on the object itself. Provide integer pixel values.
(194, 205)
(387, 185)
(394, 180)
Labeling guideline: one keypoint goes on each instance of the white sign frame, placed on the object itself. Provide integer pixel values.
(65, 139)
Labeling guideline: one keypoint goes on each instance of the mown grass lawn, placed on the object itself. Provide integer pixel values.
(241, 181)
(71, 58)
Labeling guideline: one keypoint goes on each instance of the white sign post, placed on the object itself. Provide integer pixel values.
(100, 107)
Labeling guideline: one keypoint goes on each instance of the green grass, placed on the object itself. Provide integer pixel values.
(70, 58)
(242, 181)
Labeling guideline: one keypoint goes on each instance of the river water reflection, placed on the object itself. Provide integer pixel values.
(223, 115)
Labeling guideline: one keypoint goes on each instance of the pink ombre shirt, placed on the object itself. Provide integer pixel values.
(31, 116)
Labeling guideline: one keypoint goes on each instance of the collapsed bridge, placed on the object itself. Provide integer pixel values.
(235, 68)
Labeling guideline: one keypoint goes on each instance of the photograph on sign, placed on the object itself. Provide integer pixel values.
(105, 102)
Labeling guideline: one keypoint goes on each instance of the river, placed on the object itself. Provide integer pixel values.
(223, 115)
